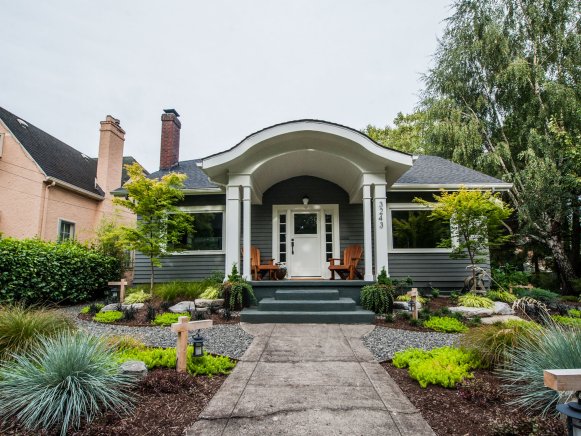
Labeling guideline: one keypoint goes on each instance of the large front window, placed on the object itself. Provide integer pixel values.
(414, 229)
(206, 234)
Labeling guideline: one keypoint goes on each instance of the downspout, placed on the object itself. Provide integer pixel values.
(48, 185)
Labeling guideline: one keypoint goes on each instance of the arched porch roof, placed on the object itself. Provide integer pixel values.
(307, 147)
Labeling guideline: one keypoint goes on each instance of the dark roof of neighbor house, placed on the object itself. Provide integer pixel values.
(197, 179)
(54, 157)
(428, 170)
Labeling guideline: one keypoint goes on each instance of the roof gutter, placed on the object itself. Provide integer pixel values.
(74, 188)
(410, 187)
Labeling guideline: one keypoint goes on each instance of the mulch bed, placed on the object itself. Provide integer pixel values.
(167, 402)
(141, 320)
(478, 411)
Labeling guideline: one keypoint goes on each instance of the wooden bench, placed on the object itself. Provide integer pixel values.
(347, 268)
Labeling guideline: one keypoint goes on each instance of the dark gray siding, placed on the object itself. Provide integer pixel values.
(183, 267)
(436, 269)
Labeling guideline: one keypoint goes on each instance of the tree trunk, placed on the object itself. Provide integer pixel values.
(152, 276)
(555, 243)
(576, 237)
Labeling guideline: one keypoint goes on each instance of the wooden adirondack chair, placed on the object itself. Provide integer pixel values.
(347, 269)
(258, 269)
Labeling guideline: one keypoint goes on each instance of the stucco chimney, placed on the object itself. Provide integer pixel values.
(170, 139)
(110, 163)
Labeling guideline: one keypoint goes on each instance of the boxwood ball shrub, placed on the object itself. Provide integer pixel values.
(473, 300)
(108, 317)
(64, 381)
(168, 318)
(34, 271)
(22, 327)
(445, 324)
(443, 366)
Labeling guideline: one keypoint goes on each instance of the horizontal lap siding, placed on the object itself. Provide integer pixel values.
(179, 267)
(261, 229)
(435, 268)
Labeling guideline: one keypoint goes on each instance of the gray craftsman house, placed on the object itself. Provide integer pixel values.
(303, 191)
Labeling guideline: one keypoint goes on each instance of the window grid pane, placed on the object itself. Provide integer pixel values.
(282, 236)
(328, 236)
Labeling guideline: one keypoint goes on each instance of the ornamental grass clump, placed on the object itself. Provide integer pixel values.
(473, 300)
(137, 297)
(445, 324)
(504, 296)
(443, 366)
(551, 347)
(567, 321)
(538, 294)
(62, 382)
(492, 341)
(22, 327)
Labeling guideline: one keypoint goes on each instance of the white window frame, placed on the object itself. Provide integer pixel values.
(409, 207)
(204, 209)
(58, 230)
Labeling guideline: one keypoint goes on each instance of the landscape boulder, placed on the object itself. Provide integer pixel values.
(134, 367)
(472, 312)
(203, 302)
(115, 306)
(501, 308)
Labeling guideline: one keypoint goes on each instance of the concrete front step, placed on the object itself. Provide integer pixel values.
(306, 294)
(358, 316)
(342, 304)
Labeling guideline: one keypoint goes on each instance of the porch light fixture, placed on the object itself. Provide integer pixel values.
(306, 200)
(198, 343)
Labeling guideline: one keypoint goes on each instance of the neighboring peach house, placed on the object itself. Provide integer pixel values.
(52, 191)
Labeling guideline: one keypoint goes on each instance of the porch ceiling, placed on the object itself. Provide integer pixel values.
(329, 151)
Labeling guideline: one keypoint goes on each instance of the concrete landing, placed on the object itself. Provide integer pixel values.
(309, 379)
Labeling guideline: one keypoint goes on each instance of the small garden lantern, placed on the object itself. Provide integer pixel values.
(562, 380)
(198, 343)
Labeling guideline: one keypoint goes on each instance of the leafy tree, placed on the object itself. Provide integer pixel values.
(160, 223)
(407, 135)
(477, 219)
(504, 97)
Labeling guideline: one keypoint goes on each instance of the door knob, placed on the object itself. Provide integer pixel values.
(293, 246)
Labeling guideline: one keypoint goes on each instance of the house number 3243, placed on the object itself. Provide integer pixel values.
(380, 214)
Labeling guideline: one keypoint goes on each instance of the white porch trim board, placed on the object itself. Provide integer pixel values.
(232, 227)
(367, 233)
(247, 204)
(380, 212)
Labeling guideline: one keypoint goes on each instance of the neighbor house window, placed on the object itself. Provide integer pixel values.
(415, 229)
(66, 230)
(206, 234)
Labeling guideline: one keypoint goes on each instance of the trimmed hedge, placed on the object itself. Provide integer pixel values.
(33, 271)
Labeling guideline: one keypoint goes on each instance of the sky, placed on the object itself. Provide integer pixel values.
(229, 68)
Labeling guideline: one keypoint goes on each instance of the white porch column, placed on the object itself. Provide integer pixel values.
(367, 241)
(380, 209)
(232, 228)
(246, 205)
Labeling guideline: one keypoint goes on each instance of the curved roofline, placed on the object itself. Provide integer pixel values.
(311, 120)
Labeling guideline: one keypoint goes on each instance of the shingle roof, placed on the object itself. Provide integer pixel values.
(54, 157)
(437, 170)
(197, 179)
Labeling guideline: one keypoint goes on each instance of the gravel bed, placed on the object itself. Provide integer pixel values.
(385, 342)
(226, 339)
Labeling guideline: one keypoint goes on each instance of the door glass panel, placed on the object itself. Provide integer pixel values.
(305, 224)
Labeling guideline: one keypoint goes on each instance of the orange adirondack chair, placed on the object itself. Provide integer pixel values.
(347, 269)
(258, 269)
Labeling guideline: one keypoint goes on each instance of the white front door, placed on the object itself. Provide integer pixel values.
(305, 244)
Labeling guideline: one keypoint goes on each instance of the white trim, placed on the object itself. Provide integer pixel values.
(1, 143)
(411, 187)
(367, 232)
(203, 209)
(381, 228)
(409, 206)
(74, 188)
(287, 209)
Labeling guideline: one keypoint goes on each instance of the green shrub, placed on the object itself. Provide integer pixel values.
(445, 324)
(553, 346)
(173, 291)
(570, 298)
(492, 341)
(506, 276)
(21, 328)
(168, 318)
(36, 271)
(435, 292)
(211, 293)
(214, 280)
(166, 358)
(108, 317)
(575, 313)
(567, 321)
(473, 300)
(443, 366)
(377, 298)
(237, 292)
(539, 294)
(406, 297)
(137, 297)
(503, 296)
(92, 309)
(63, 381)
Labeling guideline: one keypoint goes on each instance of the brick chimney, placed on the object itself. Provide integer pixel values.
(110, 163)
(170, 139)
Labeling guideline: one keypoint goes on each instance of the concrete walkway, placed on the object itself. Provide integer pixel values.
(309, 379)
